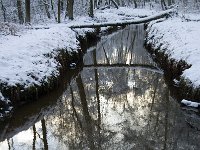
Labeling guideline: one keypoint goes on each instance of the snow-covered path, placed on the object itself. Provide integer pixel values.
(180, 40)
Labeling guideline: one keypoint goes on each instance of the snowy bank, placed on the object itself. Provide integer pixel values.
(24, 60)
(29, 58)
(179, 39)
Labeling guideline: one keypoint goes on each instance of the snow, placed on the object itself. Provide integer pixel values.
(23, 60)
(180, 40)
(190, 103)
(123, 13)
(1, 97)
(191, 16)
(122, 21)
(28, 57)
(113, 15)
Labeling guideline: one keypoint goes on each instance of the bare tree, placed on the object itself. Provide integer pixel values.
(52, 8)
(70, 9)
(28, 11)
(44, 132)
(20, 12)
(95, 4)
(135, 3)
(170, 2)
(34, 136)
(46, 6)
(163, 5)
(115, 4)
(91, 11)
(87, 117)
(62, 5)
(4, 11)
(59, 11)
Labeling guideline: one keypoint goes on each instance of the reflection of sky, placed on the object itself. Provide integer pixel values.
(114, 114)
(126, 47)
(118, 111)
(24, 139)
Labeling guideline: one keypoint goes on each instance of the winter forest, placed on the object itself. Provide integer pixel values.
(38, 11)
(99, 74)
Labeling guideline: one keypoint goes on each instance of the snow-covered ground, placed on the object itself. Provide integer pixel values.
(23, 56)
(180, 40)
(28, 57)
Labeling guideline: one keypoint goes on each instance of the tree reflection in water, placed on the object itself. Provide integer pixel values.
(118, 101)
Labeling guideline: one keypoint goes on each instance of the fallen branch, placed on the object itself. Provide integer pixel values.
(138, 21)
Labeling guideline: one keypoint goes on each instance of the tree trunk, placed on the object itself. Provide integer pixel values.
(52, 8)
(91, 13)
(44, 132)
(95, 4)
(34, 137)
(117, 1)
(135, 3)
(163, 4)
(185, 2)
(59, 10)
(106, 2)
(99, 2)
(70, 4)
(116, 5)
(144, 3)
(20, 12)
(86, 115)
(4, 11)
(28, 11)
(123, 3)
(98, 100)
(169, 2)
(62, 5)
(46, 6)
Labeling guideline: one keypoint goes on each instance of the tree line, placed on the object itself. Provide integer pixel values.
(27, 11)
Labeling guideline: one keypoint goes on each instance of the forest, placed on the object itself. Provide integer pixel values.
(41, 11)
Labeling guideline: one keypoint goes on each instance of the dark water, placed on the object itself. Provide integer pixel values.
(118, 101)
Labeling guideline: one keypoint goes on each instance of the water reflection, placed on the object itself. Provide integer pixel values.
(118, 101)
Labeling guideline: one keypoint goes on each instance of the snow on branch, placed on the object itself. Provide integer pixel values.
(122, 23)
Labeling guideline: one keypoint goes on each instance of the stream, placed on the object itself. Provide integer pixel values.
(118, 100)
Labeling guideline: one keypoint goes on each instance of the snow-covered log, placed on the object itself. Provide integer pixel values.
(190, 103)
(122, 23)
